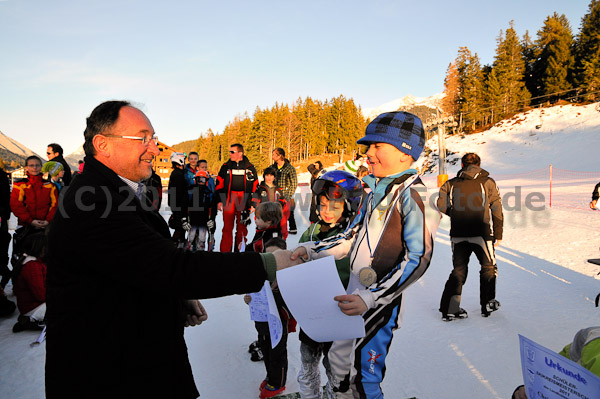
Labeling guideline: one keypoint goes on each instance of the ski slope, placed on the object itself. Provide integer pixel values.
(545, 285)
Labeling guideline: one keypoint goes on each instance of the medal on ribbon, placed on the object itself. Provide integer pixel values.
(367, 276)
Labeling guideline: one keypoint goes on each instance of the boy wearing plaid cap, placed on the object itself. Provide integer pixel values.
(389, 244)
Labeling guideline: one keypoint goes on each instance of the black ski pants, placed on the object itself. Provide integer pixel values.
(276, 361)
(461, 252)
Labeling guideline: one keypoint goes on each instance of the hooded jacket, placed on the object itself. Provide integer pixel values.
(472, 200)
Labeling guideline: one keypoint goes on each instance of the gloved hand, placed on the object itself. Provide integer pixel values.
(245, 217)
(210, 224)
(185, 224)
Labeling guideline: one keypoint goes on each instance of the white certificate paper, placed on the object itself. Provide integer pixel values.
(263, 308)
(259, 305)
(549, 375)
(308, 291)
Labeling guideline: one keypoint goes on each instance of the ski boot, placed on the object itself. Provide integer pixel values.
(461, 314)
(490, 307)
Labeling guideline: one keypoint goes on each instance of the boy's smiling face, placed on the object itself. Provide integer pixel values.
(386, 160)
(330, 211)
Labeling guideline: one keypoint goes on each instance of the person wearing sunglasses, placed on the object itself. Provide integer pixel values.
(389, 244)
(118, 300)
(236, 182)
(54, 152)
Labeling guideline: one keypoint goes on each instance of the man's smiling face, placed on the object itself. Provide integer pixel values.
(131, 158)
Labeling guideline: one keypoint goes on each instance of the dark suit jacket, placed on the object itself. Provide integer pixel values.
(115, 311)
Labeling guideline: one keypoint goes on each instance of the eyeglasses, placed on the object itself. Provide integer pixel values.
(233, 152)
(49, 153)
(145, 140)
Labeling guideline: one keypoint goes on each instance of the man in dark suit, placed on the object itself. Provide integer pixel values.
(119, 297)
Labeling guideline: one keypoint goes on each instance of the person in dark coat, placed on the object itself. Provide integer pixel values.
(5, 236)
(178, 199)
(154, 190)
(315, 170)
(55, 153)
(473, 202)
(118, 300)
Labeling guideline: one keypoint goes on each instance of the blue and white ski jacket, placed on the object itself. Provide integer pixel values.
(393, 234)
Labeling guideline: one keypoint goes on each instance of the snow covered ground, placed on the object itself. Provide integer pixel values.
(545, 285)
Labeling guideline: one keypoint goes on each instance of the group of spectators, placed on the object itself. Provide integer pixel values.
(195, 198)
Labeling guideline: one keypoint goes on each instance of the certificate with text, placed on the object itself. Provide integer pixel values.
(308, 291)
(548, 375)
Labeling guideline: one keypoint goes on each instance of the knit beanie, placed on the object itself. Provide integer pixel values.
(52, 168)
(351, 166)
(401, 129)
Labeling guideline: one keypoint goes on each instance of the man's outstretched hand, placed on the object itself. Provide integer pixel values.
(300, 253)
(196, 314)
(284, 259)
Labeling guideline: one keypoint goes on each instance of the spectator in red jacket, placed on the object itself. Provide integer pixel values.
(33, 200)
(29, 279)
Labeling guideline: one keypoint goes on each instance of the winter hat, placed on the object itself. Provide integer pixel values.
(178, 158)
(201, 177)
(401, 129)
(52, 168)
(351, 166)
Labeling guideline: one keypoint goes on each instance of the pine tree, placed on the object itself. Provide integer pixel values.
(554, 60)
(509, 70)
(529, 56)
(494, 94)
(451, 90)
(471, 87)
(261, 130)
(587, 52)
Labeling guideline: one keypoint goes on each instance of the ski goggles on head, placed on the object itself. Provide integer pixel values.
(330, 189)
(201, 180)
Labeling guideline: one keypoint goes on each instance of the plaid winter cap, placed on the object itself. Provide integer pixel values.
(401, 129)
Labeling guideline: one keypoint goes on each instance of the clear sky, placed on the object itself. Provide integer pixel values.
(194, 65)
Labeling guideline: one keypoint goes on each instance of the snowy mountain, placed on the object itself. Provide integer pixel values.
(566, 136)
(404, 103)
(74, 157)
(12, 150)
